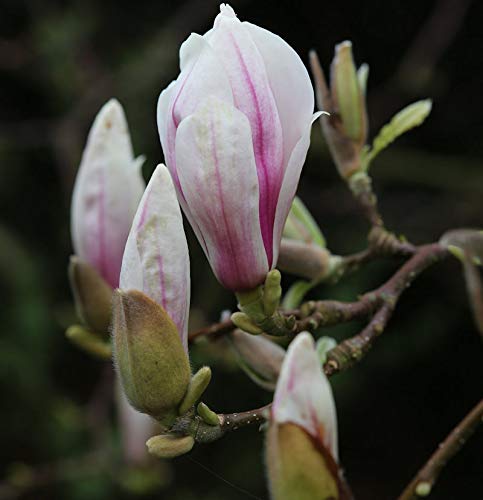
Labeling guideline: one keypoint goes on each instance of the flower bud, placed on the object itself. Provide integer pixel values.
(304, 259)
(150, 357)
(260, 358)
(301, 448)
(92, 295)
(345, 130)
(298, 467)
(347, 94)
(235, 129)
(106, 194)
(150, 312)
(156, 259)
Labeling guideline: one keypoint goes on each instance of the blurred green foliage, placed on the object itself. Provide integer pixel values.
(59, 62)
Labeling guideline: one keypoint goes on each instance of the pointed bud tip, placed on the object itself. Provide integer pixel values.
(227, 10)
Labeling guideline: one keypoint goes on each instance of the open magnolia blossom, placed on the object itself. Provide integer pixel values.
(106, 194)
(301, 450)
(235, 129)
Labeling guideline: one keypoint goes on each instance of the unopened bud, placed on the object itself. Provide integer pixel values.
(304, 259)
(259, 357)
(169, 446)
(150, 357)
(345, 130)
(347, 94)
(297, 467)
(92, 295)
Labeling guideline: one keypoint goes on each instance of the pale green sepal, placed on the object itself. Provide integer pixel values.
(89, 342)
(272, 292)
(406, 119)
(242, 321)
(251, 303)
(169, 446)
(323, 346)
(199, 382)
(208, 415)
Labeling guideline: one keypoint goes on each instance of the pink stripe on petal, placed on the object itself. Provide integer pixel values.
(303, 395)
(156, 258)
(218, 176)
(107, 191)
(252, 95)
(290, 84)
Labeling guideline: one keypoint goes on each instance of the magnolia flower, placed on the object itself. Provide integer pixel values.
(156, 259)
(302, 438)
(107, 191)
(150, 311)
(235, 129)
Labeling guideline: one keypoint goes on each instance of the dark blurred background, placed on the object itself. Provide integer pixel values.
(59, 62)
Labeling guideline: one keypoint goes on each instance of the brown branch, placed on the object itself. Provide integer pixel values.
(233, 421)
(215, 330)
(424, 480)
(385, 298)
(380, 303)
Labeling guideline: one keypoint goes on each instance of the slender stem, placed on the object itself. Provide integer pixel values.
(385, 298)
(216, 330)
(233, 421)
(379, 303)
(424, 480)
(315, 314)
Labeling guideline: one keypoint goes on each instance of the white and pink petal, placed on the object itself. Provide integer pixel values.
(253, 96)
(303, 395)
(289, 185)
(156, 259)
(290, 84)
(107, 191)
(218, 177)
